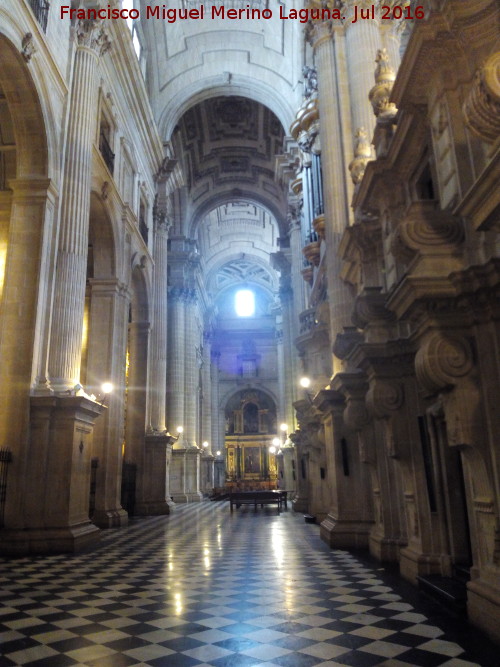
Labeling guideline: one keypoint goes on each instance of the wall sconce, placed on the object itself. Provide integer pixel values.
(106, 389)
(205, 444)
(305, 383)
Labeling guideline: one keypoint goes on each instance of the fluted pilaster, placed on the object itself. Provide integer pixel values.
(206, 407)
(191, 371)
(158, 366)
(323, 37)
(217, 442)
(66, 336)
(362, 44)
(175, 380)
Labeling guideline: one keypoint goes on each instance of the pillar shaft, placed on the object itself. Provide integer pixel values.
(206, 408)
(106, 352)
(176, 341)
(191, 373)
(158, 365)
(333, 136)
(362, 43)
(217, 443)
(69, 297)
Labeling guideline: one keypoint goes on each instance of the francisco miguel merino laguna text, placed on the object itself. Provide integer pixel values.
(171, 14)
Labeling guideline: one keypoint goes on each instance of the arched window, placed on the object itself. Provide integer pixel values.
(244, 303)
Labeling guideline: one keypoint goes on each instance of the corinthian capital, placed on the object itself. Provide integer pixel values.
(91, 35)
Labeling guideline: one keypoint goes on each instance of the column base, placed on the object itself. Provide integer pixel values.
(154, 508)
(413, 564)
(385, 549)
(117, 518)
(300, 504)
(483, 604)
(188, 497)
(340, 534)
(70, 539)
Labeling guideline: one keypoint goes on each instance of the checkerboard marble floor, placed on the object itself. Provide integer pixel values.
(206, 587)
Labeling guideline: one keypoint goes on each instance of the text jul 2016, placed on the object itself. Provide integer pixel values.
(171, 15)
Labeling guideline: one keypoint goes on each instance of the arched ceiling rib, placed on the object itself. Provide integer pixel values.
(227, 145)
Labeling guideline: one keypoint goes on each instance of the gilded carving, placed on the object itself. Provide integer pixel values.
(362, 155)
(384, 80)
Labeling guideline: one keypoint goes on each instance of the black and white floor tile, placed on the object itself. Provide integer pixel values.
(209, 588)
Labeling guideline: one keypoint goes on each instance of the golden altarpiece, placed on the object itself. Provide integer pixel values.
(250, 442)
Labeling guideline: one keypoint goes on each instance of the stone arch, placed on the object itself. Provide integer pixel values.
(140, 306)
(202, 90)
(32, 155)
(102, 240)
(232, 258)
(233, 392)
(205, 206)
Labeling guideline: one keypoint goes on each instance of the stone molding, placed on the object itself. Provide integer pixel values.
(481, 109)
(384, 398)
(443, 360)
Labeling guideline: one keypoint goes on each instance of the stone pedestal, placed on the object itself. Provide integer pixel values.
(340, 534)
(157, 462)
(185, 475)
(58, 467)
(483, 602)
(207, 474)
(288, 482)
(219, 472)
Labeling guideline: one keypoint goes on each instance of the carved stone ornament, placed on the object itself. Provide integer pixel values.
(91, 35)
(160, 218)
(346, 341)
(384, 81)
(310, 81)
(442, 361)
(29, 47)
(362, 155)
(369, 308)
(481, 109)
(427, 230)
(356, 416)
(384, 398)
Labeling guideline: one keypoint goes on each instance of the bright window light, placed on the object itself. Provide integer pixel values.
(244, 303)
(128, 4)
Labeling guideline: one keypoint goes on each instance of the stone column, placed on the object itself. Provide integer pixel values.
(290, 366)
(191, 371)
(158, 443)
(298, 283)
(135, 428)
(158, 358)
(336, 195)
(106, 357)
(282, 408)
(207, 460)
(217, 442)
(362, 43)
(69, 296)
(175, 370)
